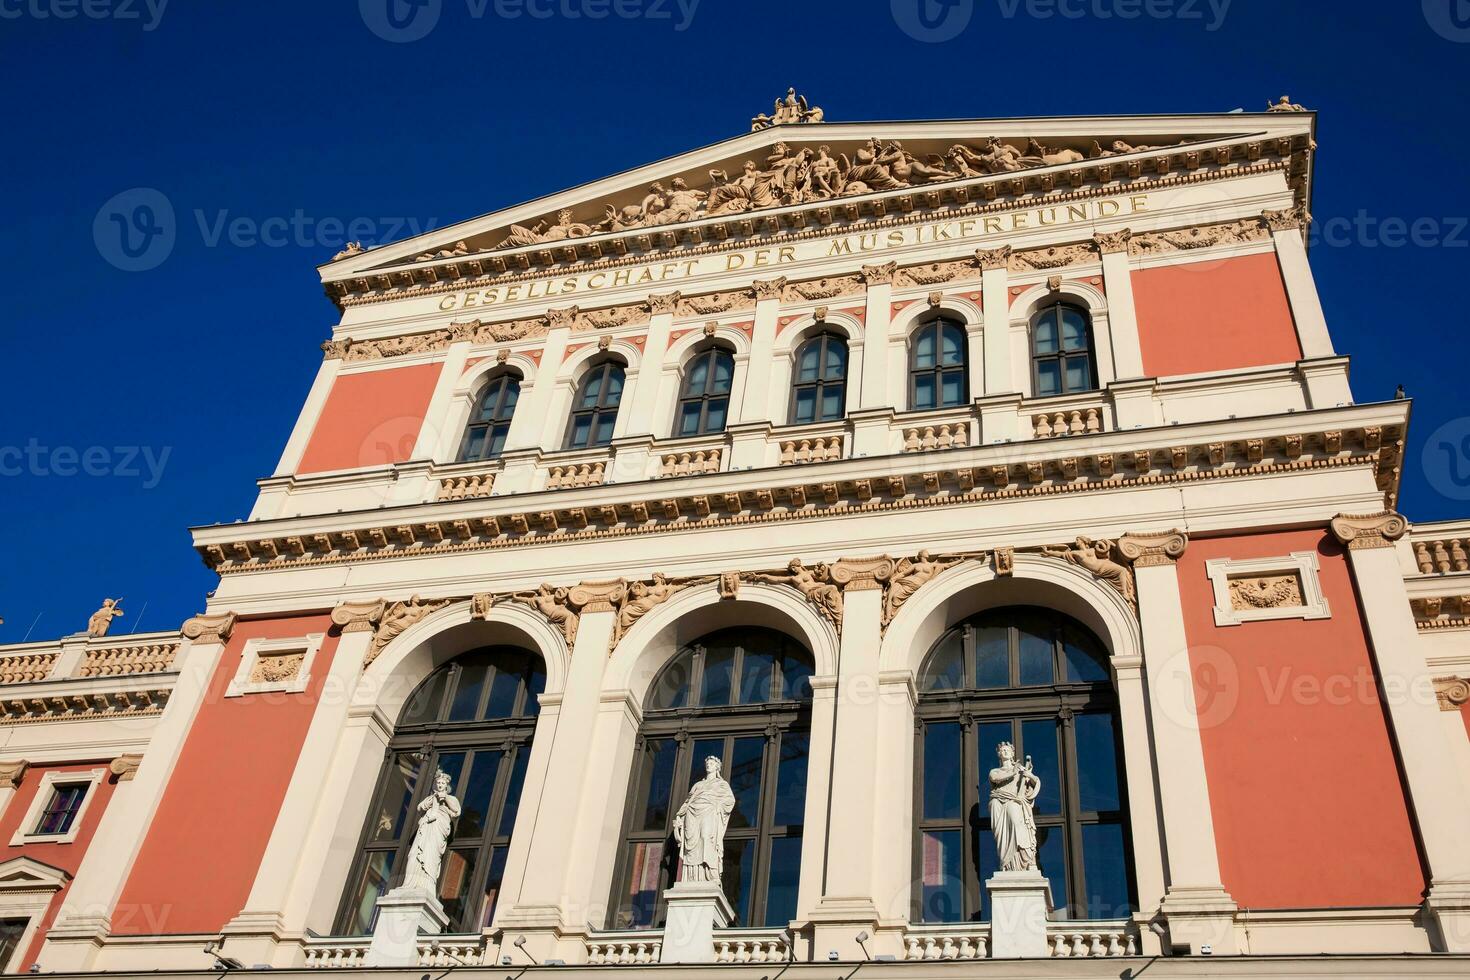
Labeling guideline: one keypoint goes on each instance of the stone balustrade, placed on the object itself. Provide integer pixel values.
(971, 941)
(690, 462)
(630, 948)
(810, 449)
(146, 658)
(1442, 555)
(968, 941)
(937, 435)
(434, 951)
(468, 486)
(570, 475)
(1068, 422)
(1094, 939)
(750, 946)
(76, 657)
(26, 667)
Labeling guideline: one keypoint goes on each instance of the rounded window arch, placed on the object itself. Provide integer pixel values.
(704, 395)
(742, 695)
(595, 405)
(472, 718)
(937, 370)
(1039, 680)
(1061, 350)
(819, 379)
(489, 424)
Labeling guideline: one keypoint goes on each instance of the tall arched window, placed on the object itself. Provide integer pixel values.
(744, 696)
(595, 407)
(704, 399)
(473, 718)
(484, 437)
(1061, 350)
(937, 366)
(819, 388)
(1039, 680)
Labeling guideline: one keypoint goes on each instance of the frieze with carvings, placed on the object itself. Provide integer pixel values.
(935, 273)
(1265, 591)
(1054, 257)
(1203, 236)
(828, 288)
(730, 301)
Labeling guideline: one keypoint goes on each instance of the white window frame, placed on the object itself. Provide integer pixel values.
(27, 888)
(39, 802)
(1302, 564)
(241, 684)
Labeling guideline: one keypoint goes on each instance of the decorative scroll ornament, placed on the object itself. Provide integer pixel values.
(815, 583)
(1203, 236)
(359, 617)
(935, 273)
(1096, 557)
(125, 767)
(209, 629)
(663, 302)
(908, 576)
(398, 617)
(824, 288)
(769, 288)
(1452, 693)
(1378, 530)
(792, 109)
(1142, 549)
(1288, 219)
(335, 350)
(11, 773)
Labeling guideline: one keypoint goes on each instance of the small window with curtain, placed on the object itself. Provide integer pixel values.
(595, 406)
(819, 389)
(1061, 351)
(704, 398)
(489, 424)
(937, 366)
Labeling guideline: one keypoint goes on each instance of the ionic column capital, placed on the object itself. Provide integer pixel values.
(209, 629)
(857, 574)
(768, 288)
(1378, 530)
(880, 275)
(663, 302)
(11, 773)
(1113, 241)
(1145, 548)
(125, 767)
(993, 258)
(359, 617)
(1451, 692)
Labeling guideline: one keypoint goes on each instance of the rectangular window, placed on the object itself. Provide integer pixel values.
(61, 809)
(11, 931)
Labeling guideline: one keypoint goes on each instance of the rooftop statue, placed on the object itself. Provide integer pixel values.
(699, 826)
(792, 109)
(101, 620)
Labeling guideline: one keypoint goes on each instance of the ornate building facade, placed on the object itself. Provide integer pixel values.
(841, 453)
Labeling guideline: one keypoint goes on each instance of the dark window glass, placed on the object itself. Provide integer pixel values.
(11, 931)
(743, 696)
(1061, 351)
(705, 395)
(62, 808)
(1039, 680)
(595, 406)
(484, 437)
(818, 391)
(937, 366)
(473, 719)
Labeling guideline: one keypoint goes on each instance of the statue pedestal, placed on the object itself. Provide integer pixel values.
(696, 910)
(404, 914)
(1020, 902)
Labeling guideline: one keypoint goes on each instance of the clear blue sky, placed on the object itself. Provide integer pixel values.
(270, 110)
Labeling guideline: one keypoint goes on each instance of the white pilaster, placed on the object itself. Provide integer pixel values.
(995, 295)
(754, 406)
(1196, 906)
(534, 406)
(641, 410)
(311, 412)
(1122, 314)
(877, 320)
(431, 433)
(1148, 857)
(1301, 288)
(1437, 790)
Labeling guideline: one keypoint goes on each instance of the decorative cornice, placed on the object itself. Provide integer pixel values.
(116, 704)
(881, 490)
(359, 617)
(1143, 549)
(125, 767)
(991, 259)
(1452, 693)
(209, 629)
(11, 773)
(1378, 530)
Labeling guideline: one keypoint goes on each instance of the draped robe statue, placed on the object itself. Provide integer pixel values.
(1013, 791)
(699, 826)
(438, 811)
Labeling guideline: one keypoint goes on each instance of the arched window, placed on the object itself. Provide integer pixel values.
(937, 366)
(473, 718)
(744, 696)
(819, 388)
(484, 437)
(1061, 350)
(1039, 680)
(595, 408)
(704, 400)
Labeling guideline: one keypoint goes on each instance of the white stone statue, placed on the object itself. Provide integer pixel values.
(438, 811)
(699, 826)
(1013, 791)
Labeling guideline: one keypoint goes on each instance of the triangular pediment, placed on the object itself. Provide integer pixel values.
(27, 874)
(758, 182)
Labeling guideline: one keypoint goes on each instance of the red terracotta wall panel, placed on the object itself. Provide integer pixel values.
(1214, 316)
(1309, 806)
(67, 857)
(370, 419)
(198, 862)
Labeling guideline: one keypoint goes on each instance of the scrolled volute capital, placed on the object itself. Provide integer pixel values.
(209, 629)
(359, 617)
(1142, 549)
(663, 302)
(1113, 241)
(769, 288)
(464, 330)
(1378, 530)
(125, 767)
(12, 772)
(993, 258)
(1452, 693)
(566, 316)
(603, 596)
(335, 350)
(855, 574)
(880, 275)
